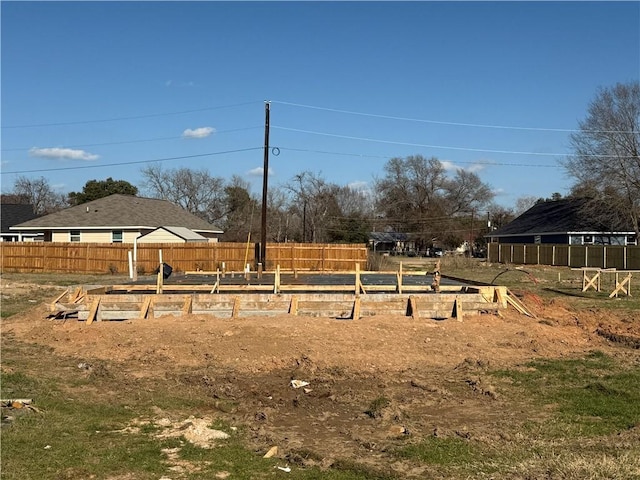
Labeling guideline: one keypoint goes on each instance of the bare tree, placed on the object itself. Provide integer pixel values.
(606, 152)
(39, 193)
(524, 203)
(194, 190)
(465, 192)
(416, 195)
(314, 201)
(284, 221)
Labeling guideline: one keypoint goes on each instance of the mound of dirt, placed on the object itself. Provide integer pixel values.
(370, 383)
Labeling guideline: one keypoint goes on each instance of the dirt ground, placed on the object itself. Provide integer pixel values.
(372, 382)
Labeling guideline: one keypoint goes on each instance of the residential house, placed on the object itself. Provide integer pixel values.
(117, 218)
(390, 242)
(560, 222)
(13, 214)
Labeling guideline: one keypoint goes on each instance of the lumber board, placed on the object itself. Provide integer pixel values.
(413, 307)
(517, 304)
(458, 309)
(186, 308)
(58, 298)
(355, 314)
(236, 307)
(93, 311)
(293, 306)
(144, 311)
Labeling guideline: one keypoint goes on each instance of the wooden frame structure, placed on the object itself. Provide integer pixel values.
(229, 300)
(591, 278)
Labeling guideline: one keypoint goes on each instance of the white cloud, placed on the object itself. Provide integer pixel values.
(201, 132)
(259, 171)
(62, 153)
(474, 167)
(447, 165)
(359, 186)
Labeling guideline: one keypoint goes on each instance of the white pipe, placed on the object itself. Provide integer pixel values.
(130, 264)
(135, 260)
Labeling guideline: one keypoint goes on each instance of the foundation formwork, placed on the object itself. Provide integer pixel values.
(241, 296)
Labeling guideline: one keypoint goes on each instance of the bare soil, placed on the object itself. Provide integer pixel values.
(373, 383)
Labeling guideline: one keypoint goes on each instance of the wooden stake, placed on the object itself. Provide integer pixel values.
(159, 281)
(276, 280)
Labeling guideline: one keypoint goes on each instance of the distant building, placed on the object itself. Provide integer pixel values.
(559, 222)
(390, 242)
(115, 219)
(13, 214)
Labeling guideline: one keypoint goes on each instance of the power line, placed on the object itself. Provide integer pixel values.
(457, 124)
(123, 142)
(134, 162)
(443, 147)
(133, 117)
(483, 163)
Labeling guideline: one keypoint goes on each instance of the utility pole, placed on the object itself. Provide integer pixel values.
(265, 176)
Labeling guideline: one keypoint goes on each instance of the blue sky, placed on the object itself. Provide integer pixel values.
(91, 88)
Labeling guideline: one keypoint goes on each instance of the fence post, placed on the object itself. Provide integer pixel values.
(586, 255)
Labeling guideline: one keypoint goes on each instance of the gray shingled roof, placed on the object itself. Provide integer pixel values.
(121, 211)
(560, 216)
(14, 213)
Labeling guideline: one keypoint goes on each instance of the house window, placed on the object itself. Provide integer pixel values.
(74, 235)
(588, 240)
(116, 236)
(631, 240)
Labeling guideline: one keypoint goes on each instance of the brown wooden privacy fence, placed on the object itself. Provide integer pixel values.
(576, 256)
(113, 257)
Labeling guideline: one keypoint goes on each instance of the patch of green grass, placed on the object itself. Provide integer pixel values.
(72, 438)
(376, 407)
(592, 395)
(439, 451)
